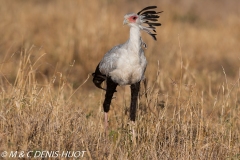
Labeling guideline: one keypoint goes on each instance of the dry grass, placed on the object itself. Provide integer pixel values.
(188, 110)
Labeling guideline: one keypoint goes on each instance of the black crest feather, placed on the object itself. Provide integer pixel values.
(150, 17)
(146, 8)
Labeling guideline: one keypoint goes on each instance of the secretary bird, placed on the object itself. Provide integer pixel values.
(125, 64)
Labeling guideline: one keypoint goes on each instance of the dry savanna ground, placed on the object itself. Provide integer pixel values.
(189, 108)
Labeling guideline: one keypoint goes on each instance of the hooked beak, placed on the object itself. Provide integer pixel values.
(125, 21)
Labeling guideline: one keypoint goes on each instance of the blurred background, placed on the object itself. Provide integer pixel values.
(71, 37)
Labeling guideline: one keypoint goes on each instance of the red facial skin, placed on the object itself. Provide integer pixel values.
(132, 19)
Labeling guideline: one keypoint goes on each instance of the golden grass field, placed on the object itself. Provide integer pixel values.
(189, 109)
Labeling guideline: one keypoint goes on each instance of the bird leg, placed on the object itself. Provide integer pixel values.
(132, 130)
(106, 123)
(111, 88)
(134, 98)
(133, 108)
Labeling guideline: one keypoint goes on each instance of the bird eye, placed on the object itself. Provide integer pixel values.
(134, 18)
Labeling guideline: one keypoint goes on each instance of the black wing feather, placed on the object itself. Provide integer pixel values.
(98, 78)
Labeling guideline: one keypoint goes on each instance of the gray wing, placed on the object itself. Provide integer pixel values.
(109, 61)
(143, 60)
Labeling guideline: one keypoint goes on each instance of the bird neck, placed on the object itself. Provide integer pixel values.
(135, 37)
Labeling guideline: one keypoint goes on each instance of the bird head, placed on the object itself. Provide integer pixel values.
(131, 19)
(146, 16)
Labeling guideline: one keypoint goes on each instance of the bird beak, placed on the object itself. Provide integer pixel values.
(125, 21)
